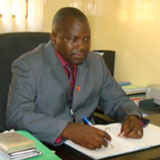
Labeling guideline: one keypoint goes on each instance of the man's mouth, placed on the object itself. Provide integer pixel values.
(79, 55)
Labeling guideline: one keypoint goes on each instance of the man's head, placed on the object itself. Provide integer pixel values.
(71, 35)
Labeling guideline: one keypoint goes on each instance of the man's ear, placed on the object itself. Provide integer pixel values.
(53, 38)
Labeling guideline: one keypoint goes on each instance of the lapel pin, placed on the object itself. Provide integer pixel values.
(78, 89)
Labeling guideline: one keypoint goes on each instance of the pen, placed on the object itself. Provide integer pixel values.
(90, 124)
(87, 121)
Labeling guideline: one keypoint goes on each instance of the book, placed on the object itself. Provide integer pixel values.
(120, 145)
(137, 98)
(11, 142)
(16, 146)
(134, 89)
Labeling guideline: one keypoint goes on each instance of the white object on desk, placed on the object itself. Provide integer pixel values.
(153, 91)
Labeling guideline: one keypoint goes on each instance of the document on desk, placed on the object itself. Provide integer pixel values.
(118, 146)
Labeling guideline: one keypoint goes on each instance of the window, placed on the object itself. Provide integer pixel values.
(21, 15)
(13, 6)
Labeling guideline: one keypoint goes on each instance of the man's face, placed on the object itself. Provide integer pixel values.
(72, 41)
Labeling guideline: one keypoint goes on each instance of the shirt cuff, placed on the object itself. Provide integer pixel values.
(144, 122)
(58, 140)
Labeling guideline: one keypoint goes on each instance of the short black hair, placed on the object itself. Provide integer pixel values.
(65, 12)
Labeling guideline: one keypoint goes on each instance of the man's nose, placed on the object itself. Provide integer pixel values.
(81, 44)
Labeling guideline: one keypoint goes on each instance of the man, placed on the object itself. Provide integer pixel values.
(48, 100)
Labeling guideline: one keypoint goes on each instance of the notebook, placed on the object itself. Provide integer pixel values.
(120, 145)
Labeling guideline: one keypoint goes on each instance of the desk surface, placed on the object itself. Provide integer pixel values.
(67, 153)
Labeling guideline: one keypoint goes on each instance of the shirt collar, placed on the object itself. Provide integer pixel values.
(63, 62)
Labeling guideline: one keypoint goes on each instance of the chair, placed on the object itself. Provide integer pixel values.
(12, 45)
(109, 58)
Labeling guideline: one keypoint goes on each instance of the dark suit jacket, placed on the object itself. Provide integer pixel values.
(40, 90)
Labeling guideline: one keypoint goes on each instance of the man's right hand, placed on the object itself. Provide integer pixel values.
(85, 135)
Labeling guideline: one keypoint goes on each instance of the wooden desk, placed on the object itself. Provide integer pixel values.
(67, 153)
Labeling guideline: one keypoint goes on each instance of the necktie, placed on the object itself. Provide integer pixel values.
(69, 68)
(70, 76)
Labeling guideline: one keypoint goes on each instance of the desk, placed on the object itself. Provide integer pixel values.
(67, 153)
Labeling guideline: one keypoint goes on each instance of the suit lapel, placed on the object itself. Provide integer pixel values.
(82, 71)
(57, 69)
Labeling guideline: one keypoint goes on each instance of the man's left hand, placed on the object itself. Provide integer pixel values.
(131, 128)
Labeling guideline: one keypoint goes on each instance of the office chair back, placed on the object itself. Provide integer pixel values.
(12, 45)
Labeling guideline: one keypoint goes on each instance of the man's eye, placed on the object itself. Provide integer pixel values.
(86, 39)
(72, 39)
(75, 39)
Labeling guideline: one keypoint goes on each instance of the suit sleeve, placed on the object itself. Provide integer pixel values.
(113, 100)
(21, 107)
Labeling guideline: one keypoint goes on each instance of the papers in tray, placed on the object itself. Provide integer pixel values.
(121, 145)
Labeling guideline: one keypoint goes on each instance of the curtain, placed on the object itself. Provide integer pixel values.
(35, 15)
(21, 15)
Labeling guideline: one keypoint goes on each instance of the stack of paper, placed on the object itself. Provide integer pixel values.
(134, 89)
(16, 146)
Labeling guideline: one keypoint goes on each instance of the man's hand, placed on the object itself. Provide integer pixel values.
(86, 136)
(131, 128)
